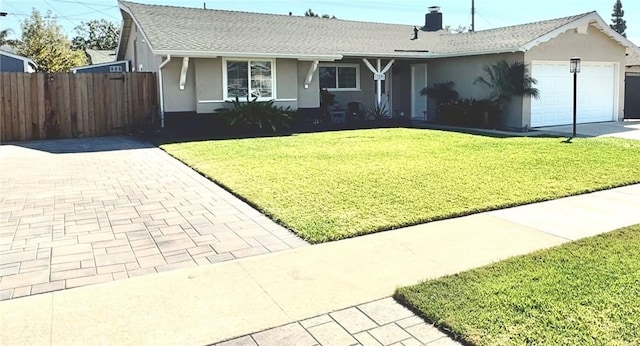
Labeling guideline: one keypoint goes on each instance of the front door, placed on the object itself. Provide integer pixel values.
(418, 82)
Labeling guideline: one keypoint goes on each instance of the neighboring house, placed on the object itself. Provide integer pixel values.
(632, 87)
(102, 61)
(205, 57)
(10, 62)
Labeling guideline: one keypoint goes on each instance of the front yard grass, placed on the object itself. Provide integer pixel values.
(581, 293)
(334, 185)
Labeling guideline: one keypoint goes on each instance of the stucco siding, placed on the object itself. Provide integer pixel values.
(139, 53)
(286, 79)
(209, 88)
(463, 71)
(594, 46)
(208, 84)
(308, 97)
(176, 100)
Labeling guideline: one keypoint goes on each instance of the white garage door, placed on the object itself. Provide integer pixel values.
(597, 93)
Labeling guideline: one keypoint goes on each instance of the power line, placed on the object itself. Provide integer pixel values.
(58, 12)
(103, 11)
(84, 3)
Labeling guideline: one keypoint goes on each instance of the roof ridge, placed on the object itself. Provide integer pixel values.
(265, 14)
(573, 18)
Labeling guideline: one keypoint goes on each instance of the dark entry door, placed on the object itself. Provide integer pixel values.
(632, 96)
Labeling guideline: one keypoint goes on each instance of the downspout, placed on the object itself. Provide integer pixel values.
(162, 89)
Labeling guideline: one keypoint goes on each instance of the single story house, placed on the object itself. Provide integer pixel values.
(10, 62)
(102, 61)
(204, 57)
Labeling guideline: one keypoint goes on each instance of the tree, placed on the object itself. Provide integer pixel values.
(507, 80)
(44, 42)
(5, 40)
(619, 24)
(459, 30)
(96, 34)
(310, 13)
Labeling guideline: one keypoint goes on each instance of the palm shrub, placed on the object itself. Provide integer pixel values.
(442, 93)
(256, 115)
(507, 80)
(378, 111)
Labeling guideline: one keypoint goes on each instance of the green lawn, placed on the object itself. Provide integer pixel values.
(582, 293)
(334, 185)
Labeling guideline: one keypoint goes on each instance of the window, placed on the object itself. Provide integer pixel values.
(115, 69)
(340, 77)
(249, 77)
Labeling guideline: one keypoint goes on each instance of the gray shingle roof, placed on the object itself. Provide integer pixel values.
(200, 30)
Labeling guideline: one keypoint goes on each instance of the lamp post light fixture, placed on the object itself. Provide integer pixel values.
(575, 69)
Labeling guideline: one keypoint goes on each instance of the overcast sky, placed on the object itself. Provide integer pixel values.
(489, 13)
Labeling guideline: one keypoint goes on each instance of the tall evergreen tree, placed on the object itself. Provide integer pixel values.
(617, 19)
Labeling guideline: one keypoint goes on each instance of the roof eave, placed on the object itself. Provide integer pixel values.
(20, 57)
(589, 19)
(215, 54)
(122, 49)
(475, 53)
(407, 55)
(84, 67)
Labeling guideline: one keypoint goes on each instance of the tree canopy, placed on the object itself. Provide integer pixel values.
(5, 40)
(617, 19)
(96, 34)
(44, 42)
(310, 13)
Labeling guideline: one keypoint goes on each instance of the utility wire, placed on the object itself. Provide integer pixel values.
(58, 12)
(84, 3)
(103, 11)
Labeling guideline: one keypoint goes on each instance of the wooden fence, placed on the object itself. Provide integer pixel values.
(66, 105)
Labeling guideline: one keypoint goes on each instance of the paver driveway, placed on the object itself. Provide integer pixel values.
(83, 211)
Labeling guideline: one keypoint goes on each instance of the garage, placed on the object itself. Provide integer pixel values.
(597, 93)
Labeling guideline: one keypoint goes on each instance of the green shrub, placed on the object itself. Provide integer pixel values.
(256, 115)
(378, 111)
(469, 112)
(442, 94)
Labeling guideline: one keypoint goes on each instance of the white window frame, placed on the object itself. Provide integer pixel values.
(225, 86)
(336, 65)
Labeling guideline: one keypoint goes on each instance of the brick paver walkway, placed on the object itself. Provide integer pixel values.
(382, 322)
(84, 211)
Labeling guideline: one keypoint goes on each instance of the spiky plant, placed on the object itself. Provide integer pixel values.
(506, 81)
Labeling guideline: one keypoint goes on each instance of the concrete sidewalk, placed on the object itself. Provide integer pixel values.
(212, 303)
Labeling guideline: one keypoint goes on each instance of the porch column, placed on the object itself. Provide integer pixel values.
(312, 70)
(378, 74)
(183, 72)
(378, 79)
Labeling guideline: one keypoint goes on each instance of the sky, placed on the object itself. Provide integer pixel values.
(489, 13)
